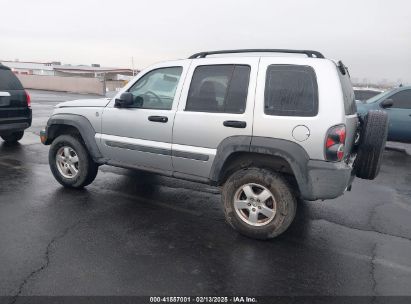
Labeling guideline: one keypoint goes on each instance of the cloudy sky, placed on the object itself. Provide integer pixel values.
(372, 37)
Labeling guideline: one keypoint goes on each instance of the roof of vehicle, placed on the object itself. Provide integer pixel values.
(3, 67)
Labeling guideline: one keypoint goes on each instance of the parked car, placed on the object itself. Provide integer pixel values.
(362, 94)
(15, 111)
(267, 130)
(397, 103)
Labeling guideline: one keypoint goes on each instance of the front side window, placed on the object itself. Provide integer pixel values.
(290, 90)
(219, 89)
(156, 89)
(402, 99)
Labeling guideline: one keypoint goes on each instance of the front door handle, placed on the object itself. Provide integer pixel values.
(235, 124)
(162, 119)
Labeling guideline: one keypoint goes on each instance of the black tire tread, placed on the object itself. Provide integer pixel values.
(372, 142)
(90, 168)
(282, 190)
(13, 137)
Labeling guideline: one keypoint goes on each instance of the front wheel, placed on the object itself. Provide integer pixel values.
(258, 203)
(13, 137)
(70, 162)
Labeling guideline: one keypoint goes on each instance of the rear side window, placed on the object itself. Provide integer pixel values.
(9, 81)
(291, 90)
(219, 89)
(348, 93)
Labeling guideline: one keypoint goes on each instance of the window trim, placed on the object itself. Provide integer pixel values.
(228, 86)
(153, 70)
(312, 72)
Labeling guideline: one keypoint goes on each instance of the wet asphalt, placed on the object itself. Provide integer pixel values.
(132, 233)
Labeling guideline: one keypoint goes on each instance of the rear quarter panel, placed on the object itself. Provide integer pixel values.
(330, 108)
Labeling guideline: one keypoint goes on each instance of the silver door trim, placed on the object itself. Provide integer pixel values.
(192, 152)
(162, 148)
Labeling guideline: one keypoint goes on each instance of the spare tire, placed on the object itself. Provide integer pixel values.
(373, 136)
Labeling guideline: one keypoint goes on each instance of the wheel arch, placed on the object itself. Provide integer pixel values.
(279, 155)
(74, 124)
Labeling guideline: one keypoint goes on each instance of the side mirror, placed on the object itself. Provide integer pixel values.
(387, 103)
(126, 100)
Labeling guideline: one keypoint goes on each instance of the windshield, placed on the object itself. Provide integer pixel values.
(377, 97)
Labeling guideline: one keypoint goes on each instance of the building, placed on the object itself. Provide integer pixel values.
(54, 76)
(57, 69)
(93, 71)
(30, 68)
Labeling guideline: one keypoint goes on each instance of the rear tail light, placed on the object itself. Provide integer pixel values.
(28, 99)
(335, 143)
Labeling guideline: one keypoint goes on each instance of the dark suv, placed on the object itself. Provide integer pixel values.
(15, 111)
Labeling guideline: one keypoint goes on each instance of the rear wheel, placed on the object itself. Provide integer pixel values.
(258, 203)
(13, 137)
(371, 146)
(70, 162)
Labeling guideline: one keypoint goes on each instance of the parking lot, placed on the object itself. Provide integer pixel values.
(132, 233)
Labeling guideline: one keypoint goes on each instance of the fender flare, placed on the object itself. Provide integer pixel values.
(83, 125)
(290, 151)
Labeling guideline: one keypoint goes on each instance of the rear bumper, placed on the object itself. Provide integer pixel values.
(326, 180)
(15, 124)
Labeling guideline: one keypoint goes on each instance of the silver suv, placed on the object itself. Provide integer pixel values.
(268, 130)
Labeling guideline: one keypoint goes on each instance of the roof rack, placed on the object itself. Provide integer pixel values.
(311, 54)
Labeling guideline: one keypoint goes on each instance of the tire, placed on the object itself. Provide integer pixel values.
(59, 157)
(13, 138)
(283, 199)
(371, 146)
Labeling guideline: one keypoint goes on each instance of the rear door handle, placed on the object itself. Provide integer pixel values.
(162, 119)
(235, 124)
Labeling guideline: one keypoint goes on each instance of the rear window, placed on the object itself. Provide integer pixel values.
(291, 90)
(348, 93)
(9, 81)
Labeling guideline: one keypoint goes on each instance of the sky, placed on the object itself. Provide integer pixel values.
(371, 37)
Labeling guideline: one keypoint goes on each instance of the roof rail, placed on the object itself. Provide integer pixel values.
(309, 53)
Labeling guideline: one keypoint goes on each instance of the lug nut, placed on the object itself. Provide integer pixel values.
(249, 204)
(259, 207)
(253, 209)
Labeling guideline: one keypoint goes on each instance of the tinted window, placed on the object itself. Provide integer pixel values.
(219, 89)
(9, 81)
(402, 99)
(156, 89)
(290, 90)
(348, 94)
